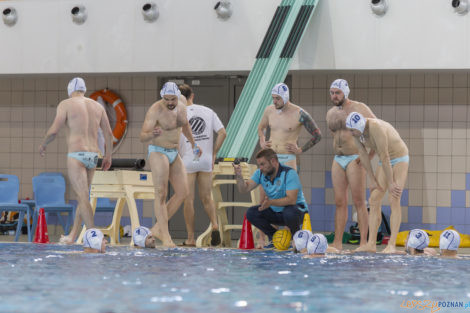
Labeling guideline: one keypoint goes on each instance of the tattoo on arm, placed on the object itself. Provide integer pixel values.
(312, 128)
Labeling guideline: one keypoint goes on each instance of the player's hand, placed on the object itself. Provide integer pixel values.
(238, 169)
(265, 144)
(42, 150)
(293, 148)
(374, 186)
(157, 131)
(264, 204)
(106, 164)
(395, 190)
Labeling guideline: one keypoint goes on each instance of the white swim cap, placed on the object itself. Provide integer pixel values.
(355, 120)
(342, 85)
(76, 84)
(450, 240)
(93, 239)
(301, 238)
(170, 88)
(418, 239)
(281, 90)
(139, 236)
(317, 244)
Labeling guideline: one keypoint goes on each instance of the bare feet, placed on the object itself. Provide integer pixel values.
(332, 249)
(338, 247)
(164, 238)
(367, 248)
(66, 240)
(392, 250)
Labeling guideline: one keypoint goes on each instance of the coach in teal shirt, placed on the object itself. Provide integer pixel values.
(284, 203)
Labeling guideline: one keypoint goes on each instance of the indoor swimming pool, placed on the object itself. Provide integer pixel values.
(54, 278)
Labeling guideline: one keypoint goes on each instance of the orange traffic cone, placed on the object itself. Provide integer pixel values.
(41, 228)
(246, 239)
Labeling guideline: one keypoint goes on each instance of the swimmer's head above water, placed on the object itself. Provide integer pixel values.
(317, 244)
(449, 243)
(280, 94)
(93, 241)
(76, 85)
(339, 91)
(170, 94)
(416, 242)
(143, 237)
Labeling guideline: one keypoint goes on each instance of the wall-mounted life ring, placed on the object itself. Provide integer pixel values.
(120, 128)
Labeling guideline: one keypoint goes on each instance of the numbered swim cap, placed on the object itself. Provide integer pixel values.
(301, 238)
(355, 120)
(450, 240)
(418, 239)
(93, 239)
(170, 88)
(342, 85)
(281, 90)
(76, 84)
(139, 236)
(317, 244)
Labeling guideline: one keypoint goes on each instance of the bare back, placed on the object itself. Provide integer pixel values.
(343, 141)
(83, 116)
(170, 121)
(285, 126)
(384, 139)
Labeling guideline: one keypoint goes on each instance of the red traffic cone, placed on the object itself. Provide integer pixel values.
(41, 228)
(246, 239)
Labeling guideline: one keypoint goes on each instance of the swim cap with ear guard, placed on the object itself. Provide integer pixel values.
(93, 239)
(76, 84)
(139, 236)
(342, 85)
(281, 90)
(317, 244)
(418, 239)
(449, 240)
(355, 120)
(170, 88)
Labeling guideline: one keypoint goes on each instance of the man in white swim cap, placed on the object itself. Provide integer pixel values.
(284, 121)
(346, 170)
(449, 243)
(94, 241)
(417, 243)
(83, 117)
(163, 124)
(142, 237)
(382, 138)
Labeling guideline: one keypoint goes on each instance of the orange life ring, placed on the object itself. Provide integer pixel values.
(121, 114)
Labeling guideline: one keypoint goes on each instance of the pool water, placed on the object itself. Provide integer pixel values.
(54, 278)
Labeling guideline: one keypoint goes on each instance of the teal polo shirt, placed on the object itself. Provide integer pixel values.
(286, 179)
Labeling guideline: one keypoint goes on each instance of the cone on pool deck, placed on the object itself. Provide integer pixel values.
(306, 223)
(41, 229)
(246, 239)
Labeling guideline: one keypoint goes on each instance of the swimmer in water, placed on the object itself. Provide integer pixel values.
(94, 241)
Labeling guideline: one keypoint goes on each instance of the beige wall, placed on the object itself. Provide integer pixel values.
(429, 109)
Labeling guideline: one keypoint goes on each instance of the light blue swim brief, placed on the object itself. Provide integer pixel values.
(170, 153)
(405, 158)
(283, 158)
(344, 160)
(88, 159)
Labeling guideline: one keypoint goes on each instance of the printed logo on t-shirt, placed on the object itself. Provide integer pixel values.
(198, 125)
